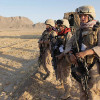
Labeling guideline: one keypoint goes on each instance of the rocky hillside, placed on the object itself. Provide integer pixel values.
(20, 23)
(39, 27)
(15, 23)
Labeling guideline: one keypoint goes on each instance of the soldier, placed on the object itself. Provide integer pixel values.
(63, 69)
(86, 45)
(45, 43)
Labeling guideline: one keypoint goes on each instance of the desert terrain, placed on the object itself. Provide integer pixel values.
(18, 58)
(20, 75)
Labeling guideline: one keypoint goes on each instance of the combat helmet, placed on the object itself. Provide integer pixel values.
(89, 10)
(63, 22)
(50, 22)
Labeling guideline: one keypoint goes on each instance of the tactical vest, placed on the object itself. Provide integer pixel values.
(89, 39)
(61, 40)
(46, 35)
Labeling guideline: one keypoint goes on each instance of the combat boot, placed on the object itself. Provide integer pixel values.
(66, 95)
(50, 77)
(61, 85)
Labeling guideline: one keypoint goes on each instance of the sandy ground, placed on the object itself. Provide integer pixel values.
(18, 59)
(19, 78)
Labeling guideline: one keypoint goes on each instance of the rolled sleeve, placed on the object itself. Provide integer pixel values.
(69, 43)
(97, 50)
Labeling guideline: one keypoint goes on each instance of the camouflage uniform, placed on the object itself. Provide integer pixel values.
(46, 55)
(63, 69)
(91, 39)
(64, 74)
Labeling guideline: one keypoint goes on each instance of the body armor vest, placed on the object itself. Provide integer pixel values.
(46, 36)
(89, 39)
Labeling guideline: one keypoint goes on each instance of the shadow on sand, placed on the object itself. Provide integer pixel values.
(38, 89)
(23, 37)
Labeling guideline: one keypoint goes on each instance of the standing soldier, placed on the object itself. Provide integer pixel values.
(84, 46)
(63, 69)
(44, 44)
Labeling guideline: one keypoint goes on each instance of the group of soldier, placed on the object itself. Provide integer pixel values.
(73, 55)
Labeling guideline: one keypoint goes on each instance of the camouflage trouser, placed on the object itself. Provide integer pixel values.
(94, 84)
(64, 74)
(47, 62)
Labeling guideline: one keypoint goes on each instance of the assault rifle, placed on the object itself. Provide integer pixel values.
(42, 49)
(81, 73)
(54, 50)
(40, 56)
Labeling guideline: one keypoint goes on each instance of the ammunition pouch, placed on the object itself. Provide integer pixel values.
(90, 59)
(61, 39)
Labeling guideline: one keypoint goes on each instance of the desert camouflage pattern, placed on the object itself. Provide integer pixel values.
(94, 83)
(66, 23)
(50, 22)
(86, 10)
(47, 59)
(64, 72)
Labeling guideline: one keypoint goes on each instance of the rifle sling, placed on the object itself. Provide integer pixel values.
(77, 77)
(80, 40)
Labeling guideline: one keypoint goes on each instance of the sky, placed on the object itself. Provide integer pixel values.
(40, 10)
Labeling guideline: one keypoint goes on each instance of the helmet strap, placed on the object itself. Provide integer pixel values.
(90, 18)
